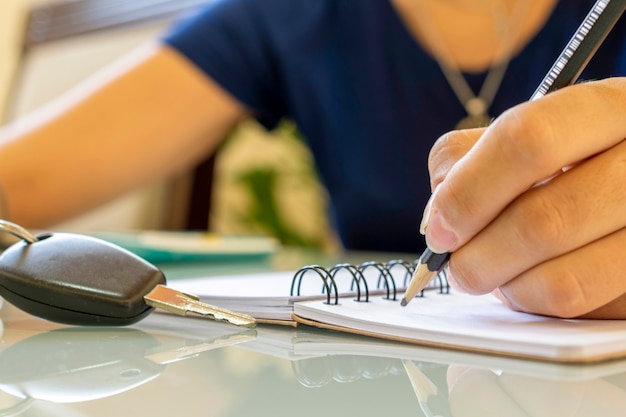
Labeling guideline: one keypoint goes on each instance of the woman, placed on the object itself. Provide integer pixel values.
(371, 88)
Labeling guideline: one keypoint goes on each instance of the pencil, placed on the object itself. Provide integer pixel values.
(430, 264)
(565, 71)
(424, 388)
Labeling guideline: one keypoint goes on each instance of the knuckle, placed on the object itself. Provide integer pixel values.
(446, 151)
(540, 225)
(564, 295)
(527, 138)
(469, 279)
(459, 205)
(440, 148)
(441, 158)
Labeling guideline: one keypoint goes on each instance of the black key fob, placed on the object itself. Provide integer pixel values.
(77, 279)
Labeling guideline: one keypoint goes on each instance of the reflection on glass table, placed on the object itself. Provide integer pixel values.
(169, 365)
(75, 364)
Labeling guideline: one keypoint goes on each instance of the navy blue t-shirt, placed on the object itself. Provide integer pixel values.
(368, 99)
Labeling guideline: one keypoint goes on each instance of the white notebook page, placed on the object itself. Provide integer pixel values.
(479, 323)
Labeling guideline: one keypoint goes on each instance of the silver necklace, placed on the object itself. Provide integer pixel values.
(476, 106)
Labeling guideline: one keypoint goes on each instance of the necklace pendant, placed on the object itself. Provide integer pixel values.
(473, 121)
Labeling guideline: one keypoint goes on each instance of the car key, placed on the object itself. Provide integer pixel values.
(76, 279)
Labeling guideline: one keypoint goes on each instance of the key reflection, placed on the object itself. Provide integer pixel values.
(82, 364)
(65, 365)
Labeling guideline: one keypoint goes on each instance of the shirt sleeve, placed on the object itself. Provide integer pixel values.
(226, 39)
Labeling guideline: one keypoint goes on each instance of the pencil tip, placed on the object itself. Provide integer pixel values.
(421, 277)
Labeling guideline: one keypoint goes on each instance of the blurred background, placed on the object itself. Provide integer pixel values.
(259, 183)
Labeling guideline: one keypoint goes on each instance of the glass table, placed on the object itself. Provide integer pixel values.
(172, 366)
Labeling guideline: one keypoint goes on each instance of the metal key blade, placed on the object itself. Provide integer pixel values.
(181, 303)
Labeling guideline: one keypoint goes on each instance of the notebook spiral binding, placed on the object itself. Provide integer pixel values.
(317, 372)
(388, 275)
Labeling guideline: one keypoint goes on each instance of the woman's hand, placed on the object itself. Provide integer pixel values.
(550, 244)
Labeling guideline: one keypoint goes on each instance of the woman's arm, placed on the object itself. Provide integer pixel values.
(149, 116)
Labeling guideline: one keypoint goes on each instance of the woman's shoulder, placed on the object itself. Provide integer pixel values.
(286, 14)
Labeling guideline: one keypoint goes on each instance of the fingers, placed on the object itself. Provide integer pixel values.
(523, 147)
(583, 205)
(448, 150)
(588, 282)
(550, 244)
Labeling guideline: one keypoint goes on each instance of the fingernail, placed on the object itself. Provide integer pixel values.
(440, 237)
(426, 216)
(427, 210)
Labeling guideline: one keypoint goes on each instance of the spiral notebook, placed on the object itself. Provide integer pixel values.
(270, 297)
(364, 299)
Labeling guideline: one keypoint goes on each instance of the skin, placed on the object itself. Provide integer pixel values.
(558, 243)
(473, 35)
(143, 102)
